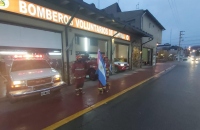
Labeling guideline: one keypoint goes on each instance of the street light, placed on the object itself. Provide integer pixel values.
(189, 48)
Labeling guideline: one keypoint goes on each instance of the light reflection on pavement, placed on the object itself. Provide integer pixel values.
(2, 88)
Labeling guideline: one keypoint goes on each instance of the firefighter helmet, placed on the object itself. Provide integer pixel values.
(78, 57)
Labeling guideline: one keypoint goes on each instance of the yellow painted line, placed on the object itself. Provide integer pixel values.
(76, 115)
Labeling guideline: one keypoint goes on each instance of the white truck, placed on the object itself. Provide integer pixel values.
(194, 57)
(30, 75)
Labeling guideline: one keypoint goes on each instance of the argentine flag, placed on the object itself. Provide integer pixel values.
(101, 69)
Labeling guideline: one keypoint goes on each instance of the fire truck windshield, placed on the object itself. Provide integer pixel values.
(29, 65)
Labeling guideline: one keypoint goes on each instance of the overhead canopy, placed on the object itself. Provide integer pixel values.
(90, 13)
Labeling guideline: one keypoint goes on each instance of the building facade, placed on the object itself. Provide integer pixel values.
(144, 20)
(62, 29)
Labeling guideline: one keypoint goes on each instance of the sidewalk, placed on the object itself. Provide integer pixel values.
(41, 112)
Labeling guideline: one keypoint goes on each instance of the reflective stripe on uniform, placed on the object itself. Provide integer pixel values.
(79, 77)
(80, 69)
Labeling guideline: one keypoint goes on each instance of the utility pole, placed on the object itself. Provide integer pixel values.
(170, 36)
(137, 6)
(179, 49)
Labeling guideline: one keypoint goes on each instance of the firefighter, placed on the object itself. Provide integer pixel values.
(78, 70)
(106, 88)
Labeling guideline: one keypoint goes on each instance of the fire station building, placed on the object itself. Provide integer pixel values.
(61, 29)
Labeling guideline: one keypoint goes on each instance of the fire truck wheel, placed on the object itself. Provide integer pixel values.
(92, 75)
(116, 69)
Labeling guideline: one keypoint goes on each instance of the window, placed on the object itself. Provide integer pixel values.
(149, 25)
(29, 65)
(77, 40)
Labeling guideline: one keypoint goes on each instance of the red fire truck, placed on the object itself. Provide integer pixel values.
(92, 66)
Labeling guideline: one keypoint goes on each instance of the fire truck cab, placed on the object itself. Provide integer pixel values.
(29, 75)
(91, 66)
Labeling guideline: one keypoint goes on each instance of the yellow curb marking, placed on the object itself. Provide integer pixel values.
(76, 115)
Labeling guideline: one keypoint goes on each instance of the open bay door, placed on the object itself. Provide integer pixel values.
(121, 57)
(23, 42)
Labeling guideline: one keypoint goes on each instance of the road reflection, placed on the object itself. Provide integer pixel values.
(2, 88)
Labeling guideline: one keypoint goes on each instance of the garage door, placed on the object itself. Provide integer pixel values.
(11, 35)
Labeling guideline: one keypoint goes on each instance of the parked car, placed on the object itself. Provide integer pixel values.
(120, 64)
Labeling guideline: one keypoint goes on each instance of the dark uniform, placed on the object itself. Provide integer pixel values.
(107, 87)
(79, 71)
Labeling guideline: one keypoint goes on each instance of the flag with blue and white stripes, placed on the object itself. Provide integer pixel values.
(101, 69)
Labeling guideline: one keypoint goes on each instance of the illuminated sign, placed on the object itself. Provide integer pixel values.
(39, 12)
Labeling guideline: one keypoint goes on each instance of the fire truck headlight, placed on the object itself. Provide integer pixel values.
(57, 78)
(17, 84)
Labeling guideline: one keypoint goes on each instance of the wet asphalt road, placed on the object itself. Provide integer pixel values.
(169, 102)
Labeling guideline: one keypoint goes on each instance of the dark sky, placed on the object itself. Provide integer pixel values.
(174, 15)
